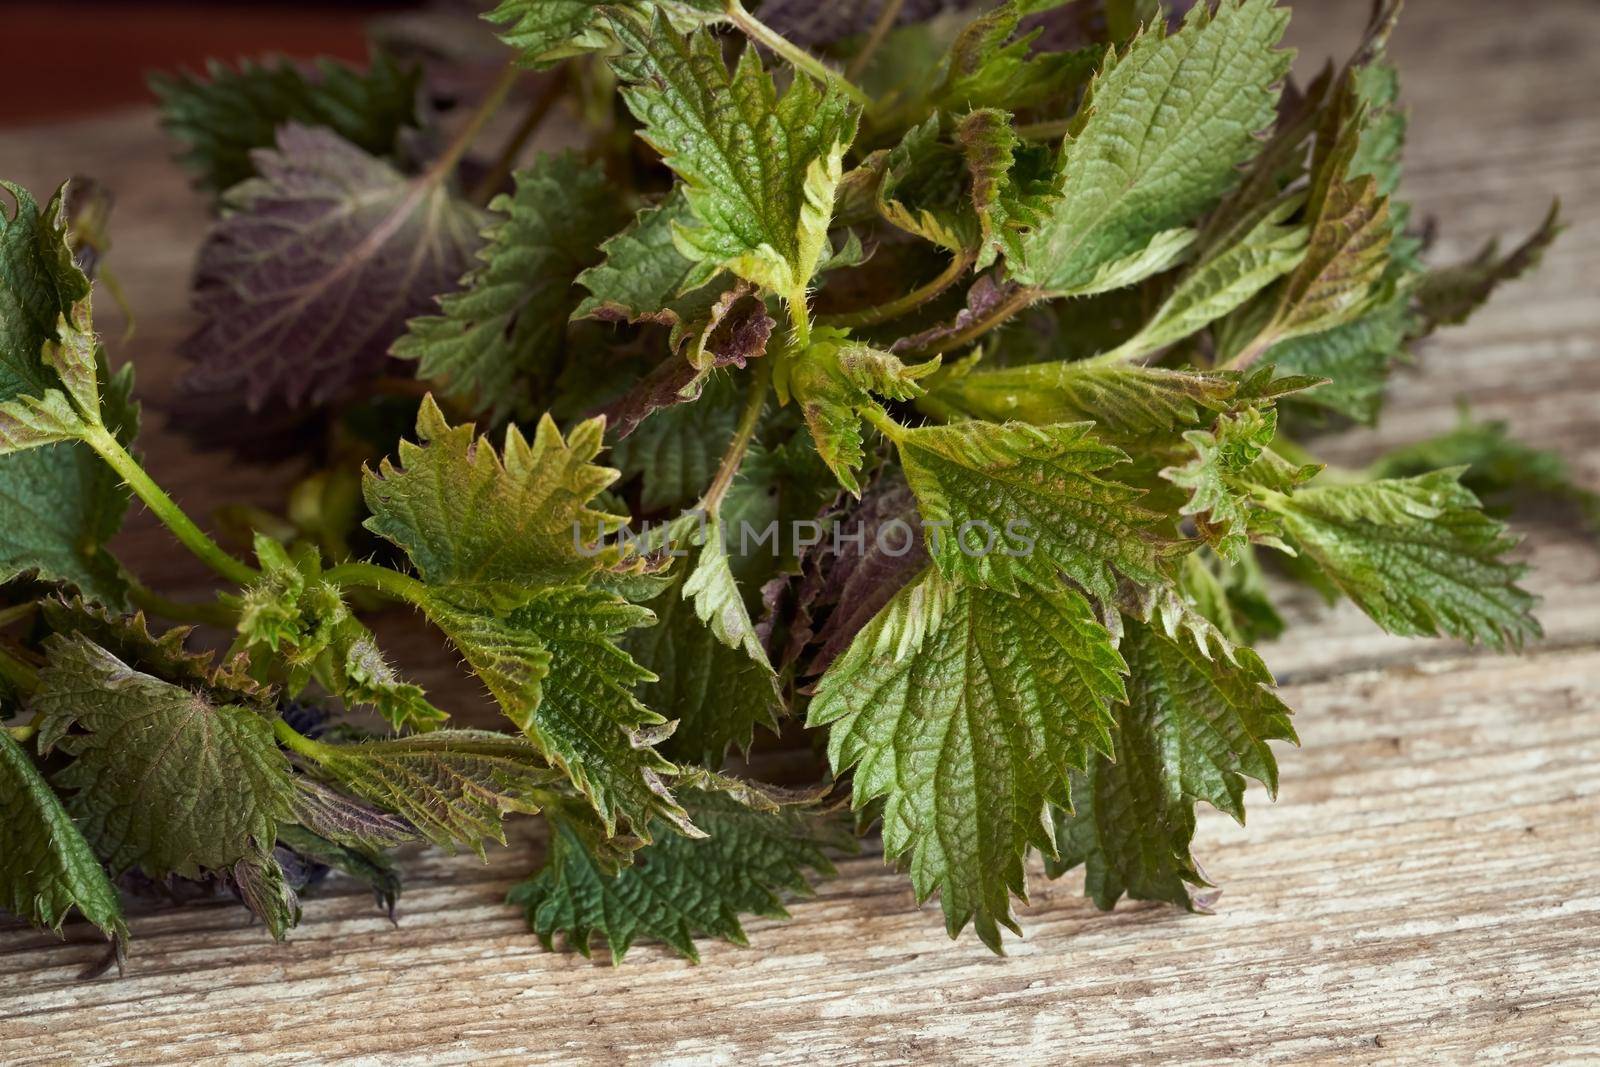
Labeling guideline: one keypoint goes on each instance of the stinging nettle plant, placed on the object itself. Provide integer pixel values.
(1075, 277)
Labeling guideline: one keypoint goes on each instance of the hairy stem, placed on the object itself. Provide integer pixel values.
(880, 313)
(798, 57)
(1017, 301)
(886, 425)
(742, 436)
(549, 93)
(1045, 131)
(151, 602)
(880, 29)
(390, 583)
(166, 509)
(299, 743)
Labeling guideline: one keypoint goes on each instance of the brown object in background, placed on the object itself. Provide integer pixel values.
(64, 60)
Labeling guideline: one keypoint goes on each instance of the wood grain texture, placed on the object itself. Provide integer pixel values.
(1424, 888)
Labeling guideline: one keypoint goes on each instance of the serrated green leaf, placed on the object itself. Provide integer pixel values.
(46, 867)
(759, 169)
(1418, 555)
(1010, 503)
(989, 67)
(833, 380)
(1222, 506)
(555, 667)
(1158, 141)
(1354, 358)
(477, 520)
(1256, 253)
(544, 32)
(164, 779)
(1498, 466)
(506, 327)
(295, 615)
(717, 694)
(1193, 728)
(454, 786)
(220, 121)
(642, 276)
(965, 709)
(679, 888)
(1124, 400)
(61, 503)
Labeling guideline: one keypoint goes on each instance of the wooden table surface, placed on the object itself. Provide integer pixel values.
(1427, 885)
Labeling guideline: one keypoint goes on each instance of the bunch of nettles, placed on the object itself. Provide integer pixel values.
(927, 385)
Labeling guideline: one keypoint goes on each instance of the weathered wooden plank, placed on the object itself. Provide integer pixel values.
(1425, 879)
(1424, 888)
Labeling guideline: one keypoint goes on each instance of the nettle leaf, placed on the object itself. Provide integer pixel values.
(1123, 399)
(506, 327)
(717, 694)
(1009, 503)
(370, 867)
(555, 667)
(61, 504)
(952, 195)
(454, 786)
(1257, 252)
(294, 614)
(834, 380)
(989, 67)
(1418, 555)
(1354, 358)
(680, 888)
(477, 520)
(345, 821)
(759, 169)
(1223, 454)
(1448, 296)
(1158, 141)
(1348, 255)
(710, 670)
(326, 227)
(544, 32)
(965, 709)
(46, 867)
(220, 121)
(165, 780)
(1193, 728)
(642, 276)
(264, 888)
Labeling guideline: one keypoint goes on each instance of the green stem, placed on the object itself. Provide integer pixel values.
(1045, 131)
(390, 583)
(538, 109)
(881, 313)
(880, 418)
(156, 499)
(798, 57)
(151, 602)
(880, 30)
(749, 419)
(20, 675)
(1017, 301)
(299, 743)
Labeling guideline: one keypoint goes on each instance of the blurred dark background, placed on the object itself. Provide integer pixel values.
(65, 58)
